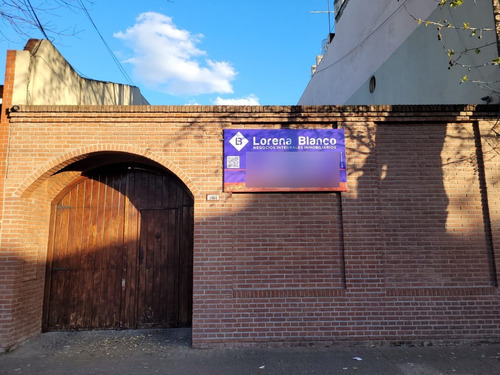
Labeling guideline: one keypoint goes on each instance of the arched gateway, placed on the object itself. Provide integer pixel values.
(120, 251)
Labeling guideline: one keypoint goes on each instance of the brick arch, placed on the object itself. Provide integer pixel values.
(30, 184)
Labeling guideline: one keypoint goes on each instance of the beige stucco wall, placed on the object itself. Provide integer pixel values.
(43, 76)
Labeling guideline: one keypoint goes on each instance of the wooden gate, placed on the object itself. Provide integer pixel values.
(120, 252)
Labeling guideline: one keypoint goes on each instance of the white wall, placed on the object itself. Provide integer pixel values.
(407, 60)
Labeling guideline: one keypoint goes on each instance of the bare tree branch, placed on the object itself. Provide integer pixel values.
(26, 16)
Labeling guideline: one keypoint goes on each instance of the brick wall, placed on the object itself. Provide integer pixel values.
(408, 253)
(8, 269)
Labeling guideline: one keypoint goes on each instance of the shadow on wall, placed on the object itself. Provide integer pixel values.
(417, 195)
(430, 186)
(120, 251)
(411, 219)
(44, 77)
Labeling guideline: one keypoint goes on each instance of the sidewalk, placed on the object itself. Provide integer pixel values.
(169, 352)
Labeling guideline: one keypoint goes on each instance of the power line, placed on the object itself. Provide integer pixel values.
(360, 43)
(117, 62)
(39, 24)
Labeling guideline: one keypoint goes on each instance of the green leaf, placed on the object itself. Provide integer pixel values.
(466, 25)
(496, 61)
(478, 51)
(456, 3)
(464, 79)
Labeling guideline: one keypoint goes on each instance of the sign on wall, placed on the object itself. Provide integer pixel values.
(260, 160)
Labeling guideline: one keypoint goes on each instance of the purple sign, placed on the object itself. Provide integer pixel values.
(284, 160)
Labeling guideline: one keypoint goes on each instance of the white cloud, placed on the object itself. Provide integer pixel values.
(249, 100)
(166, 58)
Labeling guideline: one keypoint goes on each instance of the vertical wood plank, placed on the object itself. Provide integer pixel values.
(72, 292)
(121, 255)
(98, 230)
(172, 260)
(98, 260)
(113, 251)
(132, 230)
(90, 219)
(58, 303)
(164, 286)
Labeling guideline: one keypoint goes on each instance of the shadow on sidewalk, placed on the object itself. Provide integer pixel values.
(168, 351)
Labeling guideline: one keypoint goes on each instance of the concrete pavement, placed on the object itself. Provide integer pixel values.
(169, 352)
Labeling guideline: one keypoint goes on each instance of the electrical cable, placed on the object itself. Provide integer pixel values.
(364, 40)
(117, 62)
(39, 24)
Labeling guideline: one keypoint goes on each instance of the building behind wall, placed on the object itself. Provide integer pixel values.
(43, 76)
(381, 55)
(408, 253)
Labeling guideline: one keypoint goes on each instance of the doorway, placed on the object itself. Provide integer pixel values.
(120, 252)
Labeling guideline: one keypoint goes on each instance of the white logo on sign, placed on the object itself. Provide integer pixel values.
(238, 141)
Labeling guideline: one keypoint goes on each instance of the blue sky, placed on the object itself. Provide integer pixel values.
(192, 51)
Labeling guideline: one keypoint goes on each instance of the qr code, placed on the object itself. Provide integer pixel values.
(233, 162)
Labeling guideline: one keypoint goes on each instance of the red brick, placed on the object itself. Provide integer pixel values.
(403, 255)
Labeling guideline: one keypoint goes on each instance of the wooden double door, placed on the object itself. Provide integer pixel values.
(120, 252)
